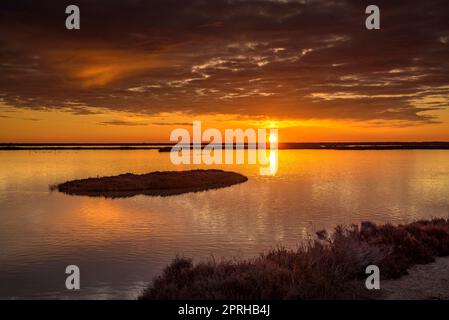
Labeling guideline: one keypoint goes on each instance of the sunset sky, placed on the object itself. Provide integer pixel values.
(138, 69)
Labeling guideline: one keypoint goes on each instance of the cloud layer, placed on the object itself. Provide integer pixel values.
(282, 59)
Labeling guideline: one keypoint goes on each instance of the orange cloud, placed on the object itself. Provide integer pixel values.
(93, 67)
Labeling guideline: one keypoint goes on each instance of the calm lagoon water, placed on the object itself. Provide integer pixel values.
(121, 244)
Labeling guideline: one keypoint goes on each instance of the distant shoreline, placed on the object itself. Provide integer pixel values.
(167, 147)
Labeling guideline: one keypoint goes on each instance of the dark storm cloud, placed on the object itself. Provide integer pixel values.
(294, 59)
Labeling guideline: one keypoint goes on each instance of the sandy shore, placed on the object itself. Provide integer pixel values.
(429, 281)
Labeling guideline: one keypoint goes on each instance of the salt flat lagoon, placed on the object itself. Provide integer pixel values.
(121, 244)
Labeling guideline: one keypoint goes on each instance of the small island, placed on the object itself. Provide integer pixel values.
(154, 184)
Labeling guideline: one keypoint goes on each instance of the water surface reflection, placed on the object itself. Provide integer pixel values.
(120, 244)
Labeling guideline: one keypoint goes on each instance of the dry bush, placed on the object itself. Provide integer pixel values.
(330, 267)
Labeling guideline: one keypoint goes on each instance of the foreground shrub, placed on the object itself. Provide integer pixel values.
(330, 267)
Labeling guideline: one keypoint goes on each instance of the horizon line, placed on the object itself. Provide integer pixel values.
(207, 142)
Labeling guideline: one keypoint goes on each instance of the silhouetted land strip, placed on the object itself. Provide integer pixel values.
(168, 147)
(336, 146)
(155, 183)
(331, 267)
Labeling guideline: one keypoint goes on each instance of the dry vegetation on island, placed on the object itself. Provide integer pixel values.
(155, 183)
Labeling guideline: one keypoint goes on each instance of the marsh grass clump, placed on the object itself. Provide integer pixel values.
(415, 243)
(330, 267)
